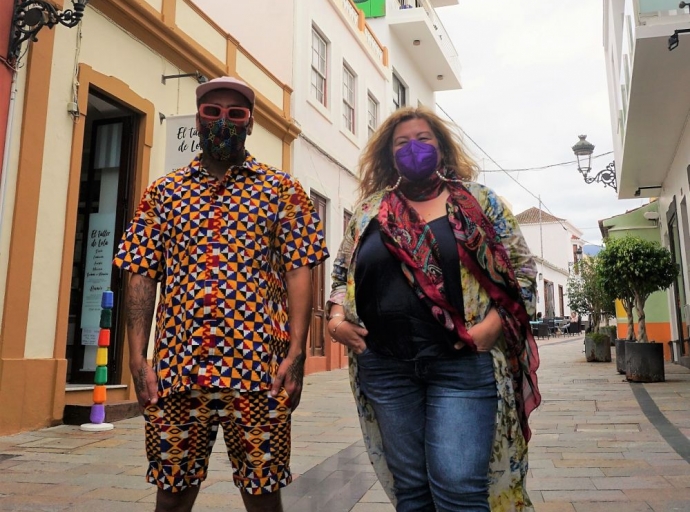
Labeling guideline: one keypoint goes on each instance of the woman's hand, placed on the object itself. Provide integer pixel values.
(486, 332)
(349, 334)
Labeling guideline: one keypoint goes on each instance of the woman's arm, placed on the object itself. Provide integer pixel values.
(339, 328)
(508, 232)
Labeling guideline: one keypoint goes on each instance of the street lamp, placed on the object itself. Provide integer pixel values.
(30, 16)
(583, 150)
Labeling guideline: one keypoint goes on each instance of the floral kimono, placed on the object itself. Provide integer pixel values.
(508, 466)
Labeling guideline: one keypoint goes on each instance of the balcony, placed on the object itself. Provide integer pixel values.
(415, 24)
(657, 104)
(355, 20)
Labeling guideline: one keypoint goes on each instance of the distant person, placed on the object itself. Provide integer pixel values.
(433, 289)
(231, 242)
(539, 316)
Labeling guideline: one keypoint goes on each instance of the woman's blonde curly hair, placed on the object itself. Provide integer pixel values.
(376, 164)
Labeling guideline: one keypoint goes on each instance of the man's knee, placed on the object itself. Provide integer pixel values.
(270, 502)
(182, 501)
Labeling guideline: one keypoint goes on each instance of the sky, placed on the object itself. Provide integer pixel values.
(533, 79)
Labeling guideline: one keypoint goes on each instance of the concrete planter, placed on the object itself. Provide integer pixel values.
(644, 362)
(597, 351)
(620, 355)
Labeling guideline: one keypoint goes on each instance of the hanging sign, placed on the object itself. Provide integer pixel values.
(97, 271)
(181, 141)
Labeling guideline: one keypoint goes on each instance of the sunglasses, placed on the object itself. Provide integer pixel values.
(214, 112)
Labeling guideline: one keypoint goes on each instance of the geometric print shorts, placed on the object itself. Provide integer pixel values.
(181, 430)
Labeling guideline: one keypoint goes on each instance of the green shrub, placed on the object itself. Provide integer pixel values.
(598, 337)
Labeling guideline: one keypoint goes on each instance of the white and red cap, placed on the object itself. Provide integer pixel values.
(226, 82)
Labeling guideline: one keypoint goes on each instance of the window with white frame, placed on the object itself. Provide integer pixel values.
(372, 114)
(318, 66)
(399, 99)
(349, 98)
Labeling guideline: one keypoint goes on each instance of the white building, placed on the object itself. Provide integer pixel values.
(648, 69)
(556, 245)
(423, 58)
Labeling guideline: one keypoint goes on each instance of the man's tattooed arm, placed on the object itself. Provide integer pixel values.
(140, 304)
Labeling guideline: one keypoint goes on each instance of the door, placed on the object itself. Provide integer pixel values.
(549, 306)
(104, 197)
(679, 296)
(316, 350)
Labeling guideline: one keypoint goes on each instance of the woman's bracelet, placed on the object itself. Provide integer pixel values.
(331, 317)
(337, 325)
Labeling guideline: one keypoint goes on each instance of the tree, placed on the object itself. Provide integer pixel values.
(632, 269)
(586, 295)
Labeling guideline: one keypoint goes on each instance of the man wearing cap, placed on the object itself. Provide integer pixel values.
(231, 242)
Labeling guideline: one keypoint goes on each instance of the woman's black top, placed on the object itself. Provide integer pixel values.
(399, 323)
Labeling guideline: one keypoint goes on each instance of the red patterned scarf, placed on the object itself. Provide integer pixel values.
(410, 239)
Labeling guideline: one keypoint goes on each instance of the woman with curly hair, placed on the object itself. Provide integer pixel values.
(433, 289)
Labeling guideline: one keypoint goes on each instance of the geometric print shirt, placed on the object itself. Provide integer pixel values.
(220, 250)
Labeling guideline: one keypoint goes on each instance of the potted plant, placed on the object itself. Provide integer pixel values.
(632, 269)
(586, 296)
(618, 288)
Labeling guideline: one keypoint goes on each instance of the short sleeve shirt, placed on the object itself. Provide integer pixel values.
(220, 250)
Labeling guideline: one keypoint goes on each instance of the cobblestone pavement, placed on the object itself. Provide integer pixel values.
(600, 444)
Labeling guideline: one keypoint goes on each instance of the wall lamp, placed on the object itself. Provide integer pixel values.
(30, 16)
(198, 76)
(673, 40)
(583, 150)
(640, 189)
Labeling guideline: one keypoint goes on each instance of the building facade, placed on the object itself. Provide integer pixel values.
(557, 246)
(648, 68)
(99, 112)
(644, 223)
(104, 108)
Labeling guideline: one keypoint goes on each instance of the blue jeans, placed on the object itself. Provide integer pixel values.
(437, 419)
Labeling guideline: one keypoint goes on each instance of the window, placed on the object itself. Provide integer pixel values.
(318, 66)
(399, 99)
(349, 99)
(372, 114)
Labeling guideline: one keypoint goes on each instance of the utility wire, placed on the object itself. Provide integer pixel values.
(464, 133)
(545, 167)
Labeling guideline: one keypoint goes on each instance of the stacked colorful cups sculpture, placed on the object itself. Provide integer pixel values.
(97, 415)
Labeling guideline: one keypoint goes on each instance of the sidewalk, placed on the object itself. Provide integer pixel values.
(599, 444)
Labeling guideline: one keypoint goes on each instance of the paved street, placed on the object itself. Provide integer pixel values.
(600, 444)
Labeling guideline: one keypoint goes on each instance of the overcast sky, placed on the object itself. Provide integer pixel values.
(533, 79)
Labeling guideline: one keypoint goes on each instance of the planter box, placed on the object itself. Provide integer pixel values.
(644, 362)
(597, 352)
(620, 355)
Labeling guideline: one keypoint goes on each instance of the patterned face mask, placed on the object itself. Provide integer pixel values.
(222, 139)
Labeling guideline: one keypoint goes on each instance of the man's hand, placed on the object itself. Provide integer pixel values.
(145, 384)
(290, 376)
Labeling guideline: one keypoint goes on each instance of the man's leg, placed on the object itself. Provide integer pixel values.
(256, 429)
(262, 502)
(176, 501)
(180, 433)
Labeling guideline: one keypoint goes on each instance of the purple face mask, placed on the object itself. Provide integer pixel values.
(416, 160)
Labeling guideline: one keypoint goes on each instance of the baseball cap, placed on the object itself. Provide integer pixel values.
(226, 82)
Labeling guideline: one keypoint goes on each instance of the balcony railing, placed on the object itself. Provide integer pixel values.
(358, 22)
